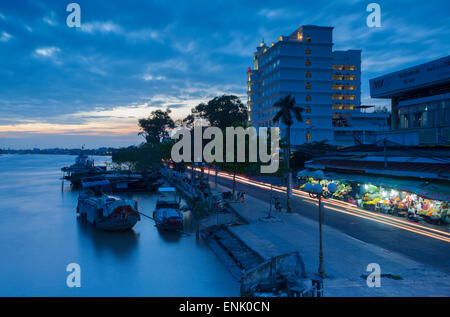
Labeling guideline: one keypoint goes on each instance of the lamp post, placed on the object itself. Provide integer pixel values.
(316, 191)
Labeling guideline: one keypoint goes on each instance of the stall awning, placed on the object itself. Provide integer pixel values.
(305, 173)
(432, 190)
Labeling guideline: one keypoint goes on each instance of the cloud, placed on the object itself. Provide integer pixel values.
(148, 77)
(143, 35)
(109, 27)
(101, 27)
(274, 14)
(47, 51)
(50, 20)
(271, 13)
(5, 37)
(176, 106)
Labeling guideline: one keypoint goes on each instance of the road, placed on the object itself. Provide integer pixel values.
(428, 245)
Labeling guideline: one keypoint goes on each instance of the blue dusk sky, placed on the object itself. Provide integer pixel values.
(65, 87)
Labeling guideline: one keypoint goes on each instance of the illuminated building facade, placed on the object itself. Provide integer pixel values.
(420, 102)
(325, 84)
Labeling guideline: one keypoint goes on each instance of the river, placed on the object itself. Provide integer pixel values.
(41, 235)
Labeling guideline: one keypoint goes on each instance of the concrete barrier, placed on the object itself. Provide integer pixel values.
(289, 266)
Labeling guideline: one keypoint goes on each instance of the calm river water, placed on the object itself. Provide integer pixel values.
(40, 235)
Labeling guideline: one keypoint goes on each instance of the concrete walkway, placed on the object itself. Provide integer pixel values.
(346, 258)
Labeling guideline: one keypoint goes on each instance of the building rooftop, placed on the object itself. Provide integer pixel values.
(424, 75)
(430, 163)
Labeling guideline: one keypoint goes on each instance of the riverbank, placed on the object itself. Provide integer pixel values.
(278, 275)
(346, 258)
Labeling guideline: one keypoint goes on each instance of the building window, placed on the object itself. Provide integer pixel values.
(308, 137)
(308, 110)
(308, 38)
(337, 87)
(308, 122)
(337, 97)
(308, 51)
(349, 77)
(349, 87)
(299, 36)
(349, 67)
(307, 75)
(307, 62)
(338, 67)
(308, 86)
(308, 98)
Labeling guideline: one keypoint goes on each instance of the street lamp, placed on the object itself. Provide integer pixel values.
(316, 191)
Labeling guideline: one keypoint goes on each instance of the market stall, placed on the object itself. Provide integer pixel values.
(415, 199)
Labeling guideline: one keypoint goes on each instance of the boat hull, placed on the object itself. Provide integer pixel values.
(118, 224)
(169, 227)
(108, 213)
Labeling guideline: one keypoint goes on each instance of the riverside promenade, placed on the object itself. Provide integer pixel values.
(346, 258)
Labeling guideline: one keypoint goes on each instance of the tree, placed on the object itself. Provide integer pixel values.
(221, 112)
(154, 128)
(286, 113)
(147, 156)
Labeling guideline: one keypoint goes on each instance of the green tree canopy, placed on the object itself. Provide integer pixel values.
(155, 127)
(147, 156)
(221, 112)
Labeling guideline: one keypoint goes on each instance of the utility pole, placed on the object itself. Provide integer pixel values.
(321, 267)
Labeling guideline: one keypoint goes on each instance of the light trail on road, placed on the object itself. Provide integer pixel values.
(342, 207)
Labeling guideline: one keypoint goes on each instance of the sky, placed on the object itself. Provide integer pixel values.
(65, 87)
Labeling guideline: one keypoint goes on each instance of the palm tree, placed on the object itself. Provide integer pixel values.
(287, 111)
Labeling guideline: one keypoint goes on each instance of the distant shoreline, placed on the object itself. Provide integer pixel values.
(97, 152)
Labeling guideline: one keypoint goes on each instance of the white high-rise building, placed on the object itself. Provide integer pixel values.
(326, 84)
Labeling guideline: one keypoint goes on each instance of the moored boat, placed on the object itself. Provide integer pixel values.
(106, 212)
(83, 167)
(126, 182)
(167, 214)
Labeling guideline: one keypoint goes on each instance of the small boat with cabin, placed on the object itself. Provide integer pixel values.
(83, 167)
(106, 212)
(167, 215)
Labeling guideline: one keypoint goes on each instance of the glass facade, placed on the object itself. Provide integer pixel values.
(426, 115)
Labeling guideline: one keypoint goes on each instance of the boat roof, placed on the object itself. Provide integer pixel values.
(166, 189)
